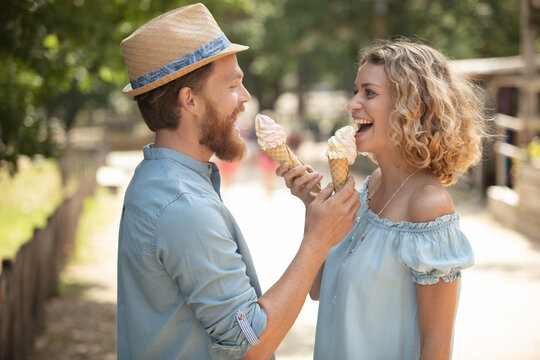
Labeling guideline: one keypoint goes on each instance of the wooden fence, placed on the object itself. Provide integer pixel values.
(31, 278)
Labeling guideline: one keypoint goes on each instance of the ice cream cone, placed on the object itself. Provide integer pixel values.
(282, 153)
(272, 140)
(341, 154)
(339, 168)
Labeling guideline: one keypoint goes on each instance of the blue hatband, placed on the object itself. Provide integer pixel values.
(209, 49)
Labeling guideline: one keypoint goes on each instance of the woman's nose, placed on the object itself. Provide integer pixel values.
(354, 104)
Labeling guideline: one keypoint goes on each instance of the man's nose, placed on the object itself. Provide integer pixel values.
(244, 95)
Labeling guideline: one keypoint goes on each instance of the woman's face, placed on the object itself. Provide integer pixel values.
(370, 109)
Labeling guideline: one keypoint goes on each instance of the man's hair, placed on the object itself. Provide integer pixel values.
(438, 119)
(159, 107)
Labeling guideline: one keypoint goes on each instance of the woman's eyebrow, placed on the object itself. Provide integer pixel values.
(369, 84)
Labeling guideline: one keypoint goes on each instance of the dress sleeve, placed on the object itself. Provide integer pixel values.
(198, 251)
(434, 250)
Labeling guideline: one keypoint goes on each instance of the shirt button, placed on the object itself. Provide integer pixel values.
(357, 220)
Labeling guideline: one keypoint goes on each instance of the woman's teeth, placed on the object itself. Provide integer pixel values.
(362, 124)
(363, 121)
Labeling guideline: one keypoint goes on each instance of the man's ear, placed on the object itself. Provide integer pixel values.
(188, 100)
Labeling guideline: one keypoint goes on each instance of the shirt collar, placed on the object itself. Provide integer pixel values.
(204, 168)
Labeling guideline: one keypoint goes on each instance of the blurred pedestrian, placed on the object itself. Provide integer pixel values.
(187, 287)
(267, 165)
(227, 171)
(390, 288)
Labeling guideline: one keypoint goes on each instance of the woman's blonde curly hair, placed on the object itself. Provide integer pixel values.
(438, 119)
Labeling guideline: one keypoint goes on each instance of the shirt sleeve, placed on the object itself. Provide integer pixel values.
(197, 249)
(438, 250)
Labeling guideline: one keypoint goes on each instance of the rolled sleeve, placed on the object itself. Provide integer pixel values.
(196, 247)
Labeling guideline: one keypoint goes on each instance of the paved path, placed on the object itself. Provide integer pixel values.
(499, 310)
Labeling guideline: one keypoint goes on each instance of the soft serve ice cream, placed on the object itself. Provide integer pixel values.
(342, 145)
(272, 140)
(341, 154)
(269, 134)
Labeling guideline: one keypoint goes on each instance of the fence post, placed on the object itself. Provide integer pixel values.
(6, 310)
(31, 278)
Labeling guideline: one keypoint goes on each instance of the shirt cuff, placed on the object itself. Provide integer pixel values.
(246, 328)
(247, 333)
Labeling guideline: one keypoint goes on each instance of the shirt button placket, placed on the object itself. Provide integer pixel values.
(350, 249)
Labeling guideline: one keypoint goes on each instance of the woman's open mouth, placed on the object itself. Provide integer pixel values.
(362, 125)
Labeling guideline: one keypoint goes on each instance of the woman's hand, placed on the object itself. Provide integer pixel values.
(302, 186)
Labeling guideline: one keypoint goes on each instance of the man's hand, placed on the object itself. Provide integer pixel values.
(329, 218)
(302, 186)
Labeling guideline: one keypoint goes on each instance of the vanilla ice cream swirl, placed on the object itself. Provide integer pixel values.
(342, 145)
(269, 134)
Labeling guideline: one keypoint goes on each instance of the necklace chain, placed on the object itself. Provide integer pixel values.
(387, 202)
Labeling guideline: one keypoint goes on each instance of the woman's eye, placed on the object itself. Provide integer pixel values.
(355, 91)
(369, 93)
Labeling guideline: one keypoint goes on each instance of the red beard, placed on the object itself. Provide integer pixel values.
(219, 135)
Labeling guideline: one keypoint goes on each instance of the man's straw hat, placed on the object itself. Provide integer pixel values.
(173, 45)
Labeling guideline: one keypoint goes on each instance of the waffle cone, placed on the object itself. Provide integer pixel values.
(282, 153)
(339, 168)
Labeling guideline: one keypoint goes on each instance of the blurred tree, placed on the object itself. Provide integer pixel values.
(315, 43)
(58, 57)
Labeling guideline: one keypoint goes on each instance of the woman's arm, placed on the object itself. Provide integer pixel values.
(436, 302)
(436, 312)
(315, 290)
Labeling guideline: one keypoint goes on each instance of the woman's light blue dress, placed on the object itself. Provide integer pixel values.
(368, 307)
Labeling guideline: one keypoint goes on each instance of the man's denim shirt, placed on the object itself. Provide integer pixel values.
(187, 287)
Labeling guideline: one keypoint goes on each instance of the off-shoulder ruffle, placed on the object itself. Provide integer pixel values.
(431, 255)
(432, 250)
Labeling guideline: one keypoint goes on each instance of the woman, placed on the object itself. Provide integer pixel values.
(390, 288)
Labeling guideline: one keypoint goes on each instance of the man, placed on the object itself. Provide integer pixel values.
(187, 287)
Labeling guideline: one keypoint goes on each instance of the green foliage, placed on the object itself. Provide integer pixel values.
(60, 57)
(95, 217)
(28, 199)
(316, 43)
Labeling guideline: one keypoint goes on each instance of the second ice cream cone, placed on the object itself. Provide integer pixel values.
(341, 154)
(339, 168)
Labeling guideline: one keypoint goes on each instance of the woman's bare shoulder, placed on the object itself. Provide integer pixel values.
(429, 201)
